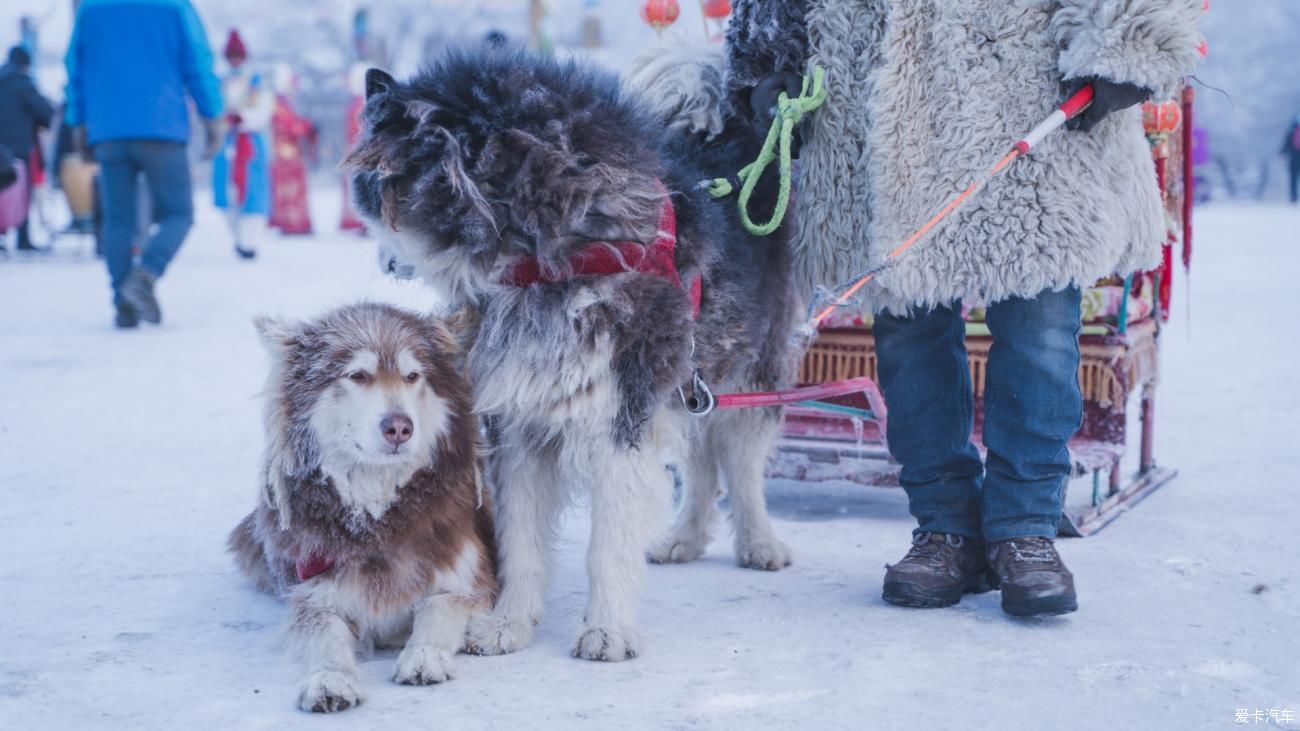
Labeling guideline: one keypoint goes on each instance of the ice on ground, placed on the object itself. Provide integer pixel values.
(126, 457)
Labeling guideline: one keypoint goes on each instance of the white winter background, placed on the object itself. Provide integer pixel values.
(125, 458)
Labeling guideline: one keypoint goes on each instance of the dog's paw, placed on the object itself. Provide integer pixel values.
(490, 634)
(676, 549)
(423, 665)
(765, 555)
(604, 644)
(329, 691)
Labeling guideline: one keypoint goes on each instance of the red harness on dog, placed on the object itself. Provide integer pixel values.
(616, 257)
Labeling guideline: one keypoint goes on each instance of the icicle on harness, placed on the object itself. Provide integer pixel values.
(617, 257)
(789, 113)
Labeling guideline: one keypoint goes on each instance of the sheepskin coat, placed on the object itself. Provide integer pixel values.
(925, 95)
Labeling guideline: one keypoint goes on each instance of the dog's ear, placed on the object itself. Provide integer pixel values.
(276, 334)
(442, 337)
(378, 81)
(459, 328)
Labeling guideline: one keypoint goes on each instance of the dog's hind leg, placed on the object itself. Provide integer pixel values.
(529, 496)
(701, 488)
(745, 439)
(327, 645)
(630, 494)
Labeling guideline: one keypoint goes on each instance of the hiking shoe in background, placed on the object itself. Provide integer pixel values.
(936, 572)
(1032, 577)
(126, 317)
(137, 292)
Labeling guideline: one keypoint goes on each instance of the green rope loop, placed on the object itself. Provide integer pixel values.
(776, 148)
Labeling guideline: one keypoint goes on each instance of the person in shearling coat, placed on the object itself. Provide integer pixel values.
(924, 96)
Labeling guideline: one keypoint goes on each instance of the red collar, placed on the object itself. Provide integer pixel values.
(313, 565)
(616, 257)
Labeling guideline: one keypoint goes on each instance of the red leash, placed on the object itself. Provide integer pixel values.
(794, 395)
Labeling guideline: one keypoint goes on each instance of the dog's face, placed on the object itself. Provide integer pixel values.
(493, 156)
(381, 409)
(366, 385)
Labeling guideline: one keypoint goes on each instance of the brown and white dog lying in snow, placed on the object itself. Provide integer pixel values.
(373, 524)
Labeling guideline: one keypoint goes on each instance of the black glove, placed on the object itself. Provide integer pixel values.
(214, 137)
(77, 139)
(763, 98)
(1109, 96)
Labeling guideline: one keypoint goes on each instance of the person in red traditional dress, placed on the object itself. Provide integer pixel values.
(240, 178)
(289, 132)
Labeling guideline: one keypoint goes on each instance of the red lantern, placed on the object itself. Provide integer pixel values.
(717, 9)
(660, 13)
(1162, 119)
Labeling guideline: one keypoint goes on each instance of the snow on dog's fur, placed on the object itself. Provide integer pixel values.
(494, 155)
(373, 524)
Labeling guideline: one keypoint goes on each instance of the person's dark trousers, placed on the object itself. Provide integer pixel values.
(1295, 178)
(1032, 406)
(166, 170)
(24, 229)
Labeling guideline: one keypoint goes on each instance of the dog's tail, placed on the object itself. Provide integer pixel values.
(250, 554)
(682, 86)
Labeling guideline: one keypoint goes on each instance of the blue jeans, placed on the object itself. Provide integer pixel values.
(166, 170)
(1032, 406)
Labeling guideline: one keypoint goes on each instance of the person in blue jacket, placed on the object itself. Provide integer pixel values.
(131, 66)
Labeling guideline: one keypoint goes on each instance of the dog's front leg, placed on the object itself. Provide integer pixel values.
(437, 634)
(630, 495)
(528, 497)
(327, 646)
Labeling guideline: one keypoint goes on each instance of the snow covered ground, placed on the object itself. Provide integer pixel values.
(126, 457)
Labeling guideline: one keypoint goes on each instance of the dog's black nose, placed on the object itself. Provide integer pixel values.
(397, 429)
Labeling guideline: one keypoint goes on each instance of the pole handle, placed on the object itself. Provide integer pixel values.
(1072, 108)
(1080, 101)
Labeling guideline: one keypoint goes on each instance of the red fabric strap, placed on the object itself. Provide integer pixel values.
(616, 257)
(312, 566)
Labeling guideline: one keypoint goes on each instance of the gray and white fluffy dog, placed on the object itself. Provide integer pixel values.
(493, 159)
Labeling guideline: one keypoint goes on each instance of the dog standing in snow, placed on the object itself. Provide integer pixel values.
(373, 524)
(564, 212)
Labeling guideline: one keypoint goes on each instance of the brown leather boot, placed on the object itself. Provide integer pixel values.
(1033, 579)
(936, 572)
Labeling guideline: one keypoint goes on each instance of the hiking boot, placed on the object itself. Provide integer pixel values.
(1032, 577)
(936, 572)
(126, 317)
(137, 292)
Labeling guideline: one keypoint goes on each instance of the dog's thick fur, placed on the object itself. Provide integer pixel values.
(403, 531)
(492, 155)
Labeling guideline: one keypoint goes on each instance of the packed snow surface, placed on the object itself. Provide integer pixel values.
(126, 457)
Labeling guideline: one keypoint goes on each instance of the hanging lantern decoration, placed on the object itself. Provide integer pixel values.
(1160, 120)
(1205, 45)
(713, 13)
(660, 13)
(717, 9)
